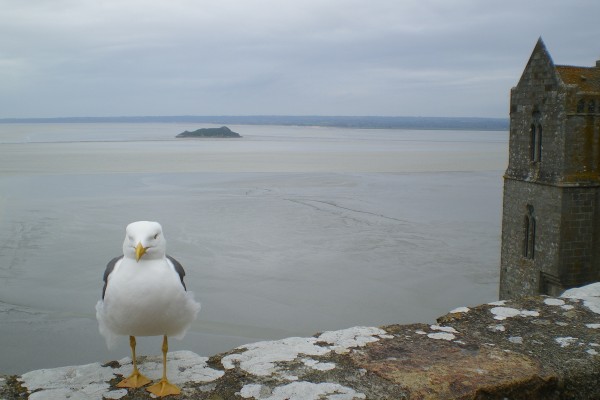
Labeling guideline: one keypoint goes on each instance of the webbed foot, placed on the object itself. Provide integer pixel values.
(163, 388)
(135, 380)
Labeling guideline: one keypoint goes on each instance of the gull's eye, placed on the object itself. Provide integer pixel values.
(130, 238)
(156, 236)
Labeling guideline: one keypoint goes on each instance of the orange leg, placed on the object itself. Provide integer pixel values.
(164, 387)
(135, 380)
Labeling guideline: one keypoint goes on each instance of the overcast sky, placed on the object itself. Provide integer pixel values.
(280, 57)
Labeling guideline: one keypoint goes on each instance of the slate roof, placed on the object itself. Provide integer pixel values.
(587, 78)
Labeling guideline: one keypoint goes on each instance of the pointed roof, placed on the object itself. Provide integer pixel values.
(540, 46)
(587, 78)
(539, 56)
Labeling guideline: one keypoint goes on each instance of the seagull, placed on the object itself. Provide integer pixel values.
(144, 295)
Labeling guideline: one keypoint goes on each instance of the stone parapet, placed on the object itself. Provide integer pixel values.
(533, 348)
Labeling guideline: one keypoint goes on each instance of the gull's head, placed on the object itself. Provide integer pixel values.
(144, 239)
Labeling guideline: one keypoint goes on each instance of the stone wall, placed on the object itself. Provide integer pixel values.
(539, 100)
(582, 145)
(533, 348)
(579, 237)
(520, 275)
(567, 238)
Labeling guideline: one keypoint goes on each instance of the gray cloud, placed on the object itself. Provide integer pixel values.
(335, 57)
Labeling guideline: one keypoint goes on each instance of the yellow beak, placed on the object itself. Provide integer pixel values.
(139, 251)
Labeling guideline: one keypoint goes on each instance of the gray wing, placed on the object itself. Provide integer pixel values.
(109, 268)
(178, 268)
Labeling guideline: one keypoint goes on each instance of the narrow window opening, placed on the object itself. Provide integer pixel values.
(526, 237)
(592, 107)
(532, 140)
(539, 143)
(531, 246)
(529, 234)
(580, 106)
(535, 143)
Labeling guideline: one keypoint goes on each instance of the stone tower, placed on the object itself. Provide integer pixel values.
(551, 214)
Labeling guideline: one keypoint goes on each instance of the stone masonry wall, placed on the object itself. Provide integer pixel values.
(567, 238)
(582, 132)
(519, 275)
(579, 236)
(538, 99)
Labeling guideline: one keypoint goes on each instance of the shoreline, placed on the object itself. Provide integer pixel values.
(356, 122)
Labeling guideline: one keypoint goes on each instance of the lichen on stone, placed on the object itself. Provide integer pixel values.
(502, 313)
(447, 329)
(554, 302)
(261, 358)
(460, 310)
(301, 391)
(91, 381)
(441, 336)
(565, 341)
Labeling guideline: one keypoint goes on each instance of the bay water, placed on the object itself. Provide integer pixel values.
(287, 231)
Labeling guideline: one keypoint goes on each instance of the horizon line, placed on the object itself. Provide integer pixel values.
(354, 121)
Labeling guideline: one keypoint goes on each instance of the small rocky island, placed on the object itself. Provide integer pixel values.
(222, 132)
